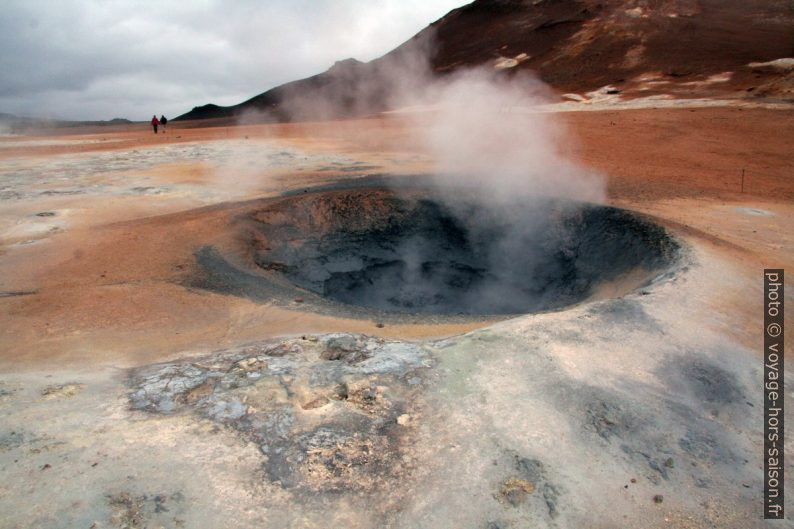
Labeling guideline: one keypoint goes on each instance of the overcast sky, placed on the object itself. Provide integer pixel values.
(100, 59)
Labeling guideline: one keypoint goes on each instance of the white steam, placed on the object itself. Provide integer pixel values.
(492, 235)
(479, 125)
(484, 135)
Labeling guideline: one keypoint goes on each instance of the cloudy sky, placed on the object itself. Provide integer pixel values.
(100, 59)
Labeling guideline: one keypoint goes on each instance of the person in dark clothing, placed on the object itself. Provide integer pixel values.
(155, 122)
(163, 122)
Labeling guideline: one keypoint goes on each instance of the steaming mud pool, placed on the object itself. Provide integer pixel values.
(600, 387)
(415, 252)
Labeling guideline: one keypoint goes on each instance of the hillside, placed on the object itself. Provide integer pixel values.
(685, 48)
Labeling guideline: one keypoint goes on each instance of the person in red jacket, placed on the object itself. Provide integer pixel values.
(155, 122)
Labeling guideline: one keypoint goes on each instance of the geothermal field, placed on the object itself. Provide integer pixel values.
(488, 302)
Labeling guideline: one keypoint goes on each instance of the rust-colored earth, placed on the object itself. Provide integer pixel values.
(639, 406)
(105, 287)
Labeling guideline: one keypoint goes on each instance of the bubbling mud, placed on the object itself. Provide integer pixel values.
(417, 252)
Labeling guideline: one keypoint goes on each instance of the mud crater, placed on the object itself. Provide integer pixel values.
(418, 252)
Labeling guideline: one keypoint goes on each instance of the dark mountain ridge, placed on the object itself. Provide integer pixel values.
(685, 48)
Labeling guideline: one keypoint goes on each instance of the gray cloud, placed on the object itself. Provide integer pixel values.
(82, 59)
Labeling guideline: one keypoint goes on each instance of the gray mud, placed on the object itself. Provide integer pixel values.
(418, 255)
(385, 253)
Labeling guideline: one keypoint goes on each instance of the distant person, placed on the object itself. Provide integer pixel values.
(155, 122)
(163, 122)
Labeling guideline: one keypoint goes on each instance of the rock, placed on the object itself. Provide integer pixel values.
(658, 498)
(515, 490)
(344, 347)
(342, 391)
(159, 387)
(227, 410)
(199, 392)
(165, 405)
(277, 350)
(252, 364)
(343, 342)
(332, 354)
(261, 389)
(61, 391)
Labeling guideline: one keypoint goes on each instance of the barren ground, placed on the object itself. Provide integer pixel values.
(576, 418)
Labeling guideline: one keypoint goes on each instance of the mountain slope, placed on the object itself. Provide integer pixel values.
(686, 48)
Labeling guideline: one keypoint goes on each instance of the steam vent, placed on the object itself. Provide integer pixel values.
(406, 252)
(525, 270)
